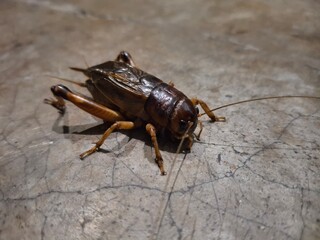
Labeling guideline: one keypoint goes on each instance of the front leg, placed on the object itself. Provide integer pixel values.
(205, 107)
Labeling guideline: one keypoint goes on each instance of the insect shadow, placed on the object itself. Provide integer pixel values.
(73, 132)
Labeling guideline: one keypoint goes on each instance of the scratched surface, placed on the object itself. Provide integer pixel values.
(254, 177)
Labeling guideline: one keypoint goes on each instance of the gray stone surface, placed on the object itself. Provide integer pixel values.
(254, 177)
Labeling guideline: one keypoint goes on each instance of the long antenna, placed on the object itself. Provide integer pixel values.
(259, 99)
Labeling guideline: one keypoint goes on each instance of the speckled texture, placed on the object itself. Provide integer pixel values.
(254, 177)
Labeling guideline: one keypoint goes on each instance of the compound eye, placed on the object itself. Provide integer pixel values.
(183, 125)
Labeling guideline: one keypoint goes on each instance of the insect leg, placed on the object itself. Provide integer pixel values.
(126, 58)
(171, 83)
(59, 103)
(205, 107)
(152, 132)
(201, 128)
(85, 103)
(189, 143)
(125, 125)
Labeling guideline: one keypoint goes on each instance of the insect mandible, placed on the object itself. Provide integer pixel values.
(128, 98)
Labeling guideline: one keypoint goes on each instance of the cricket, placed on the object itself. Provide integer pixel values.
(127, 98)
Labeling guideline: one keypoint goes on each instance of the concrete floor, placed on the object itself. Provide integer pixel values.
(254, 177)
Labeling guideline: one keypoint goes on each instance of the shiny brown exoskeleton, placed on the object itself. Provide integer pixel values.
(129, 97)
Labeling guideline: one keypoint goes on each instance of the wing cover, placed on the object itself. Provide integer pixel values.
(125, 86)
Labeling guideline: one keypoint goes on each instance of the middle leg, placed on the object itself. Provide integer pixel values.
(152, 132)
(125, 125)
